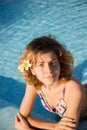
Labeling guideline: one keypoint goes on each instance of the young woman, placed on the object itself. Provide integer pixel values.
(47, 68)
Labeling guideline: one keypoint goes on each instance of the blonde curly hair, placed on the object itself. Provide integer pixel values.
(42, 45)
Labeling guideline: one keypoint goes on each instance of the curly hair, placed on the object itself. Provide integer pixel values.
(43, 45)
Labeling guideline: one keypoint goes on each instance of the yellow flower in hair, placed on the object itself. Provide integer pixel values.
(25, 66)
(21, 68)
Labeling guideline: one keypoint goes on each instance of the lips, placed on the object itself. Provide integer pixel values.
(49, 77)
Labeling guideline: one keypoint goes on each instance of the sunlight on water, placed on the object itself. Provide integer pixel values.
(21, 21)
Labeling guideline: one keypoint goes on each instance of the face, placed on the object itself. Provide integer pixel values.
(47, 69)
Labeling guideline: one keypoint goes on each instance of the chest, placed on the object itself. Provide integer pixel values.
(52, 98)
(54, 102)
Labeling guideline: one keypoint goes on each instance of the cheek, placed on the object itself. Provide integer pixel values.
(39, 76)
(38, 72)
(57, 70)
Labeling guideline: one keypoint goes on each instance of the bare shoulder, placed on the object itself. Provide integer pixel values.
(74, 98)
(74, 84)
(74, 88)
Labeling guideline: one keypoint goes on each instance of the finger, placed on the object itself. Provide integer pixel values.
(20, 116)
(68, 124)
(65, 128)
(68, 119)
(17, 118)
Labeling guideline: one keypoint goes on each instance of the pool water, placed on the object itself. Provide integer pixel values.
(20, 22)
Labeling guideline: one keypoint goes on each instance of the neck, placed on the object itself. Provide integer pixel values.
(52, 86)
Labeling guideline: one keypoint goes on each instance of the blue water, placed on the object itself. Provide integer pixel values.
(23, 20)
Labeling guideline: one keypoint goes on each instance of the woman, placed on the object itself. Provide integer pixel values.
(47, 68)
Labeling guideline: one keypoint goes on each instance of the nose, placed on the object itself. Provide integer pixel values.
(48, 68)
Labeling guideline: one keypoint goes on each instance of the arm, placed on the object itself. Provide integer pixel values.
(24, 121)
(26, 108)
(74, 105)
(75, 101)
(21, 123)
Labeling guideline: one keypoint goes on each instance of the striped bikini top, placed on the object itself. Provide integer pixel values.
(61, 106)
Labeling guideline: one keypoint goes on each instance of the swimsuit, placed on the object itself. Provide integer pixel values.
(60, 108)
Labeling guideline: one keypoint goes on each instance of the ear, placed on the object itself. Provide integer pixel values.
(32, 71)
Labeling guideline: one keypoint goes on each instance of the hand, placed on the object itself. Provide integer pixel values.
(21, 123)
(66, 123)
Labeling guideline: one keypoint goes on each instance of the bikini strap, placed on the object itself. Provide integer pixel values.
(63, 92)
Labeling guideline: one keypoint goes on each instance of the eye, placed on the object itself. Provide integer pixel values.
(54, 63)
(40, 65)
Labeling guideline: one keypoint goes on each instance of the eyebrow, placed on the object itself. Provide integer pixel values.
(50, 61)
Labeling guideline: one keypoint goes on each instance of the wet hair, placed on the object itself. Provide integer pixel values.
(43, 45)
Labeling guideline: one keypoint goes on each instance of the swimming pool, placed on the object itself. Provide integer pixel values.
(20, 22)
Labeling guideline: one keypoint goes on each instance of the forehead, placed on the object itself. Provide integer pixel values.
(48, 56)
